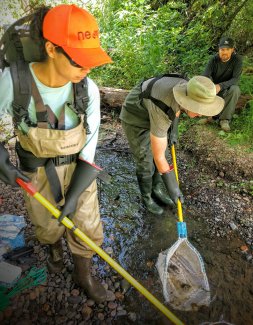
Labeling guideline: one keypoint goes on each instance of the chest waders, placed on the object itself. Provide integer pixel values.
(47, 143)
(150, 181)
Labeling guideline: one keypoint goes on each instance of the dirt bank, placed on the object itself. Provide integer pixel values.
(232, 163)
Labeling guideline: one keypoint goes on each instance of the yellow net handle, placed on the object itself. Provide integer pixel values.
(179, 205)
(70, 225)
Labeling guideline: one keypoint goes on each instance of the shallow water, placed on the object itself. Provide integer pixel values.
(136, 238)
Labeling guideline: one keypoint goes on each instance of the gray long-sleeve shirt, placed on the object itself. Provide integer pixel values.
(225, 74)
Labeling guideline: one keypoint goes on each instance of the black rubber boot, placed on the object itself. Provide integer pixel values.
(159, 190)
(146, 189)
(55, 258)
(82, 277)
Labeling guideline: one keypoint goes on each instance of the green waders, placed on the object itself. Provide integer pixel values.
(149, 180)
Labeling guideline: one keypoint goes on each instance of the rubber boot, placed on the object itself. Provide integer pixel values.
(159, 190)
(55, 257)
(146, 189)
(82, 277)
(224, 124)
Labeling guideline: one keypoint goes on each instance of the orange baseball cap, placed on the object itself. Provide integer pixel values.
(76, 31)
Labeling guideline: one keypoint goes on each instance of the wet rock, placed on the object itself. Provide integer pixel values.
(221, 174)
(32, 295)
(119, 296)
(110, 296)
(74, 299)
(86, 312)
(90, 302)
(59, 296)
(109, 250)
(46, 307)
(244, 248)
(132, 316)
(113, 313)
(8, 312)
(101, 316)
(232, 225)
(112, 305)
(249, 257)
(121, 312)
(125, 285)
(75, 292)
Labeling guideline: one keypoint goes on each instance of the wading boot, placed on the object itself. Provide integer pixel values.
(82, 277)
(146, 189)
(224, 124)
(55, 257)
(159, 190)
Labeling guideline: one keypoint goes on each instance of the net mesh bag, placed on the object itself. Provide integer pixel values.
(182, 273)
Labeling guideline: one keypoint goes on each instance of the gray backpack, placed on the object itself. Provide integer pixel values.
(17, 49)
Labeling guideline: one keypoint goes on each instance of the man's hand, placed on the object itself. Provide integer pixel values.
(218, 88)
(8, 172)
(170, 181)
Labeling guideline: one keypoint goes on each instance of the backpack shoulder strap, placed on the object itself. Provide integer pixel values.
(147, 94)
(81, 100)
(21, 78)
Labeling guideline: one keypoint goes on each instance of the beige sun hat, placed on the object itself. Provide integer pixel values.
(198, 95)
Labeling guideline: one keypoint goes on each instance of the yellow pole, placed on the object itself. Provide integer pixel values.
(179, 205)
(70, 225)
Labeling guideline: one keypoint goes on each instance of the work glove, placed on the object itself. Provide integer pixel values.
(8, 172)
(170, 181)
(84, 174)
(173, 137)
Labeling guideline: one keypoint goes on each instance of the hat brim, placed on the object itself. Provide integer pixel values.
(226, 47)
(206, 109)
(88, 57)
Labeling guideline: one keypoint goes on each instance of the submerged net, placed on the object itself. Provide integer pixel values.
(182, 272)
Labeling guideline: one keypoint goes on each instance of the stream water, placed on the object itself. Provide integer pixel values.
(135, 238)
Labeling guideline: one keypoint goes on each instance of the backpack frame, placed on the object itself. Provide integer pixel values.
(17, 50)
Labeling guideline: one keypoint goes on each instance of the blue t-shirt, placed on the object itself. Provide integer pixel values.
(56, 98)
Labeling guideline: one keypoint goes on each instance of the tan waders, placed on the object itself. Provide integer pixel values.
(55, 257)
(49, 149)
(82, 277)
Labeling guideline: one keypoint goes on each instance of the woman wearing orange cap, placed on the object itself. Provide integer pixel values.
(57, 132)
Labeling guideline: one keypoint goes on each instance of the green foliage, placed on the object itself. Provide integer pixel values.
(242, 131)
(137, 44)
(169, 36)
(242, 28)
(246, 80)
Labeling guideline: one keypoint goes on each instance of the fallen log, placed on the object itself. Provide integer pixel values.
(112, 97)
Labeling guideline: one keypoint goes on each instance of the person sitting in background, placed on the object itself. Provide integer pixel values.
(150, 110)
(224, 69)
